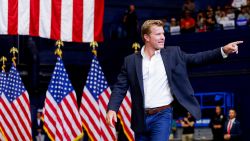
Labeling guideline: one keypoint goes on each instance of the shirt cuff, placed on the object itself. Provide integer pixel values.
(224, 55)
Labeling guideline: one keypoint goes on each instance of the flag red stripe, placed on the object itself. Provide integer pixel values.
(90, 118)
(22, 122)
(49, 130)
(126, 128)
(11, 129)
(60, 119)
(65, 117)
(98, 20)
(105, 105)
(126, 112)
(34, 17)
(128, 101)
(12, 118)
(4, 133)
(56, 19)
(23, 109)
(77, 20)
(58, 134)
(8, 125)
(72, 111)
(92, 107)
(12, 16)
(89, 132)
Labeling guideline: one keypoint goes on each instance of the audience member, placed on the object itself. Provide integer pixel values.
(210, 20)
(217, 124)
(232, 127)
(187, 23)
(243, 17)
(131, 23)
(239, 3)
(187, 124)
(173, 130)
(189, 5)
(201, 22)
(37, 127)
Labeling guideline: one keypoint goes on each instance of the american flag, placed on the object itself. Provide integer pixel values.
(94, 103)
(67, 20)
(15, 106)
(61, 117)
(2, 85)
(124, 115)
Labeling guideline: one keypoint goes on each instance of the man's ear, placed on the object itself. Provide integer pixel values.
(146, 37)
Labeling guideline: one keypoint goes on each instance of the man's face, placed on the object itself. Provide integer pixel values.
(218, 110)
(232, 114)
(156, 38)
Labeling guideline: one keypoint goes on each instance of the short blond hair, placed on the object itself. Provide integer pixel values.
(145, 28)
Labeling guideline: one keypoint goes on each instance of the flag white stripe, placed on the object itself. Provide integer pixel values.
(45, 18)
(70, 117)
(23, 16)
(88, 20)
(91, 113)
(67, 20)
(26, 121)
(5, 113)
(6, 128)
(91, 127)
(3, 16)
(64, 126)
(26, 107)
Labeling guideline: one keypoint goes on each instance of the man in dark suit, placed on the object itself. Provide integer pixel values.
(156, 77)
(37, 127)
(232, 127)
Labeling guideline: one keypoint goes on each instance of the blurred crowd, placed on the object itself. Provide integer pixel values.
(210, 19)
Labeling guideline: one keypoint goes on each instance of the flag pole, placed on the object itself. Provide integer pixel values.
(14, 51)
(58, 51)
(94, 45)
(3, 60)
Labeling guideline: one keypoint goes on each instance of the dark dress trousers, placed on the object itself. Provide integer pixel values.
(175, 63)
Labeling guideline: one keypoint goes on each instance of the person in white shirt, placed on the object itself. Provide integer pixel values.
(156, 77)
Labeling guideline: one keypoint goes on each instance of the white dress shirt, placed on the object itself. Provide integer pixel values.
(229, 126)
(155, 82)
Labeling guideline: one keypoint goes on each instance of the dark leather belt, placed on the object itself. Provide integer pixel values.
(151, 111)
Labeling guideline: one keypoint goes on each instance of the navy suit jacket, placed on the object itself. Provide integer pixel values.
(235, 130)
(175, 63)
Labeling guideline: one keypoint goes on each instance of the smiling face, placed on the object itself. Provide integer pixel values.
(155, 39)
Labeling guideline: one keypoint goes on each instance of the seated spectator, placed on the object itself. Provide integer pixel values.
(201, 22)
(239, 3)
(187, 23)
(222, 18)
(210, 19)
(174, 27)
(243, 17)
(217, 12)
(189, 5)
(230, 12)
(166, 25)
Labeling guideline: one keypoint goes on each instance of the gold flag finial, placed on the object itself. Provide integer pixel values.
(14, 51)
(94, 44)
(58, 51)
(136, 46)
(3, 60)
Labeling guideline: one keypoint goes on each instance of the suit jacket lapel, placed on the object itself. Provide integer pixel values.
(166, 62)
(138, 66)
